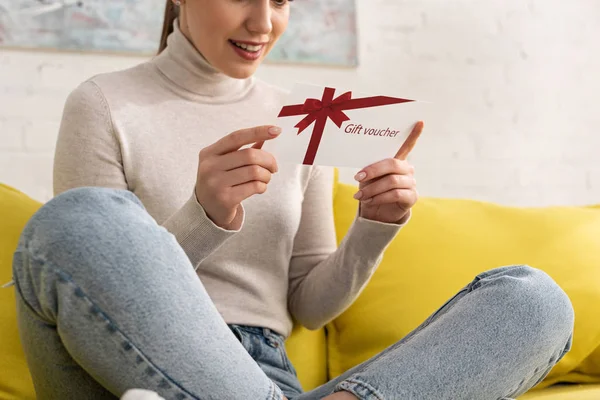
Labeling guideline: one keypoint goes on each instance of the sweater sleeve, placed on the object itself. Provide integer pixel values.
(323, 280)
(88, 153)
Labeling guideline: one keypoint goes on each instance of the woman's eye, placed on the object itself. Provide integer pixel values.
(281, 3)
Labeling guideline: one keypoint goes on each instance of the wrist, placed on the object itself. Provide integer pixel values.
(234, 223)
(404, 219)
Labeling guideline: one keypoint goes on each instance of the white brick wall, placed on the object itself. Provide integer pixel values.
(514, 84)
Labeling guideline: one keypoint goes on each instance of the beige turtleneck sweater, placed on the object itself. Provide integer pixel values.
(141, 129)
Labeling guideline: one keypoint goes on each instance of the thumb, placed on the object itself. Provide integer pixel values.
(410, 141)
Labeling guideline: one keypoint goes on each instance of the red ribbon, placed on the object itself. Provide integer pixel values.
(319, 111)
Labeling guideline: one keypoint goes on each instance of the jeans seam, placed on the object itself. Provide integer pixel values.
(550, 365)
(286, 362)
(67, 278)
(446, 306)
(274, 394)
(351, 385)
(285, 359)
(276, 342)
(32, 309)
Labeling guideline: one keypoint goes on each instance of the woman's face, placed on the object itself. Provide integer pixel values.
(234, 35)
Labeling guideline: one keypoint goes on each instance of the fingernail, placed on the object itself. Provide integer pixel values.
(274, 130)
(358, 195)
(367, 200)
(360, 176)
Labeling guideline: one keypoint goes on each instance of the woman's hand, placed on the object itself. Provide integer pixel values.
(388, 189)
(228, 175)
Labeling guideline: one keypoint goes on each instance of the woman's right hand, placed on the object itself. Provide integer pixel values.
(228, 175)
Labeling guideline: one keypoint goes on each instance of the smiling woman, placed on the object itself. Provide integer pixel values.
(233, 36)
(164, 263)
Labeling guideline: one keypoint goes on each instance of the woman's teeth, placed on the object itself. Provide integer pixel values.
(247, 47)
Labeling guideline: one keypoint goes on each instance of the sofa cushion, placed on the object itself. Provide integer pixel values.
(308, 353)
(15, 210)
(448, 242)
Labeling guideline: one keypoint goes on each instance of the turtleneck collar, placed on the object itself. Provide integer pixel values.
(183, 65)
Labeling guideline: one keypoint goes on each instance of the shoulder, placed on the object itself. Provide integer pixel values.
(86, 104)
(127, 80)
(122, 84)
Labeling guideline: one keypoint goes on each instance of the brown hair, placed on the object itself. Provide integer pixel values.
(171, 12)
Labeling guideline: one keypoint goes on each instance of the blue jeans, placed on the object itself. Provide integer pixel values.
(108, 301)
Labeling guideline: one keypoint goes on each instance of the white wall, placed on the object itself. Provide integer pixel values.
(515, 86)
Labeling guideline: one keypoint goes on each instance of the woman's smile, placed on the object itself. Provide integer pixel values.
(250, 51)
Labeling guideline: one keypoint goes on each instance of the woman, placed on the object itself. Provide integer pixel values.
(107, 272)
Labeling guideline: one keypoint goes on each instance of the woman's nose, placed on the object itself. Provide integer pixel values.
(259, 18)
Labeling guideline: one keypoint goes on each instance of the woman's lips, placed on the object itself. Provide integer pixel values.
(249, 51)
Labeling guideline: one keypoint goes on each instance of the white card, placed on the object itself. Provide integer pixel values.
(370, 128)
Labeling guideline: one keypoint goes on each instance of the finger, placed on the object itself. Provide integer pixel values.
(258, 145)
(410, 142)
(234, 141)
(385, 167)
(385, 184)
(245, 157)
(402, 196)
(241, 192)
(246, 174)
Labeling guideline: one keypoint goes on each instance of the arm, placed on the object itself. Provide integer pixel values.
(323, 280)
(88, 153)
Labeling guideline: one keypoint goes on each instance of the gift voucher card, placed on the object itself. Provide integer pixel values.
(341, 128)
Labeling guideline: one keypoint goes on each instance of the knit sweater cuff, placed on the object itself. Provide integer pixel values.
(368, 239)
(195, 232)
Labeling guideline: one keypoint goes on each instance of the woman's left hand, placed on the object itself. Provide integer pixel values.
(388, 189)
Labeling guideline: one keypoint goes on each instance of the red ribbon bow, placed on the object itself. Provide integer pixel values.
(329, 108)
(324, 108)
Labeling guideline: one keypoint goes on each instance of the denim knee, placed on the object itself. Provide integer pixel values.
(541, 307)
(82, 233)
(84, 206)
(67, 227)
(92, 195)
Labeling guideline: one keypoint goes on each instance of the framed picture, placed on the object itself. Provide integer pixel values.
(320, 32)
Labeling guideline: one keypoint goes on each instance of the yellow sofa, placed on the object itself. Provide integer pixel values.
(446, 243)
